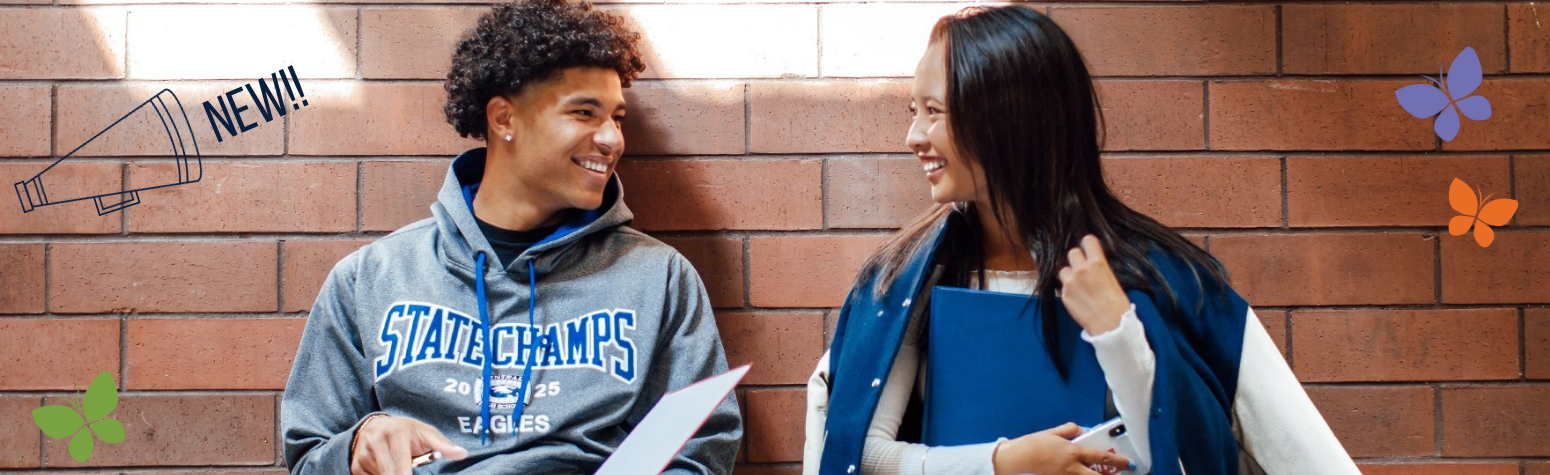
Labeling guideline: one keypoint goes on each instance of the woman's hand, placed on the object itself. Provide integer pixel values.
(1051, 452)
(386, 445)
(1089, 289)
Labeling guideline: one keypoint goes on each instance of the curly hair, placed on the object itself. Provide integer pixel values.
(530, 41)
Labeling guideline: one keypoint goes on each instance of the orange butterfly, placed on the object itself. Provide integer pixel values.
(1488, 213)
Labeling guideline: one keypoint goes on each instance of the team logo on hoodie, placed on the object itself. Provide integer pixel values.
(503, 391)
(414, 333)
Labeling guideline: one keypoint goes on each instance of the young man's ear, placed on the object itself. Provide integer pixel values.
(500, 113)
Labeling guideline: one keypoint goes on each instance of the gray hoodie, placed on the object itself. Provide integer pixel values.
(609, 318)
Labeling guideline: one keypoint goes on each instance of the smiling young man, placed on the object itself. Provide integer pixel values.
(526, 281)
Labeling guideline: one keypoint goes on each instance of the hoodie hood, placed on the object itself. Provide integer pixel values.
(463, 241)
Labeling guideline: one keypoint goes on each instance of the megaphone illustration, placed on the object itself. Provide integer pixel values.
(179, 135)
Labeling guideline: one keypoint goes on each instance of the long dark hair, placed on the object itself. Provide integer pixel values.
(1022, 106)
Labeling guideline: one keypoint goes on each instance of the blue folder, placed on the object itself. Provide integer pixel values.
(988, 374)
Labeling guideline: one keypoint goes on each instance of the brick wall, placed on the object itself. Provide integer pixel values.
(766, 142)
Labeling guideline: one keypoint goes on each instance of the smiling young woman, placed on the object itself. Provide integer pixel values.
(1007, 129)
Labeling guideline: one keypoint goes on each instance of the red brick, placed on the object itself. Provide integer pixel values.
(356, 118)
(1314, 115)
(64, 181)
(806, 271)
(395, 194)
(1173, 40)
(1388, 39)
(1442, 468)
(1329, 269)
(829, 117)
(21, 445)
(1537, 468)
(24, 120)
(1200, 192)
(1515, 106)
(1495, 421)
(1152, 115)
(1406, 345)
(724, 194)
(1198, 239)
(783, 348)
(1388, 421)
(1529, 41)
(876, 39)
(318, 42)
(63, 43)
(224, 429)
(1536, 342)
(85, 110)
(772, 41)
(163, 277)
(307, 264)
(55, 353)
(1512, 270)
(720, 264)
(685, 117)
(412, 43)
(1384, 191)
(1532, 179)
(23, 288)
(790, 469)
(255, 353)
(250, 196)
(1274, 322)
(774, 425)
(876, 192)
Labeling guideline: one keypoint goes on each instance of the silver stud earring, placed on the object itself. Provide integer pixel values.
(508, 137)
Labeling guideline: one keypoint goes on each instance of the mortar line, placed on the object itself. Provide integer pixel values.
(279, 274)
(1437, 420)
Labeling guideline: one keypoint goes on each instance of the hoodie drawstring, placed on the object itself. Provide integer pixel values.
(484, 318)
(489, 347)
(527, 370)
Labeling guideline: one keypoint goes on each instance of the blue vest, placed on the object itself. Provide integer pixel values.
(1197, 354)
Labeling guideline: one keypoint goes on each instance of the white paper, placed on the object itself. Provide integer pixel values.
(664, 431)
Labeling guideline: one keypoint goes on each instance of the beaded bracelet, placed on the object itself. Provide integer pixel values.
(355, 438)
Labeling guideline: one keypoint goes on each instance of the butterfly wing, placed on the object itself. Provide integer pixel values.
(1447, 125)
(1475, 107)
(1498, 212)
(1421, 100)
(1460, 225)
(1462, 198)
(57, 421)
(1484, 235)
(1464, 74)
(101, 397)
(109, 430)
(81, 446)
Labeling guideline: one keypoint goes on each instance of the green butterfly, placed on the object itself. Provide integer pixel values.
(59, 421)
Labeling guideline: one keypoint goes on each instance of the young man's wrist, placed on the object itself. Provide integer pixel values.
(355, 436)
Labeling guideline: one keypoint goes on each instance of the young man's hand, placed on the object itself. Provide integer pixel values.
(387, 445)
(1050, 452)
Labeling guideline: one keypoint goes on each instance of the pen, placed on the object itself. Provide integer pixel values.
(427, 458)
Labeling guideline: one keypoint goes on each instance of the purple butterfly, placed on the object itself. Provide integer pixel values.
(1423, 100)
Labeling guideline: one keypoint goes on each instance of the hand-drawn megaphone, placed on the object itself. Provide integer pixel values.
(150, 114)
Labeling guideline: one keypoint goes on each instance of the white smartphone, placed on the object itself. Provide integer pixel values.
(1111, 437)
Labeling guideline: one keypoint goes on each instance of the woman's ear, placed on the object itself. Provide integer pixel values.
(500, 115)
